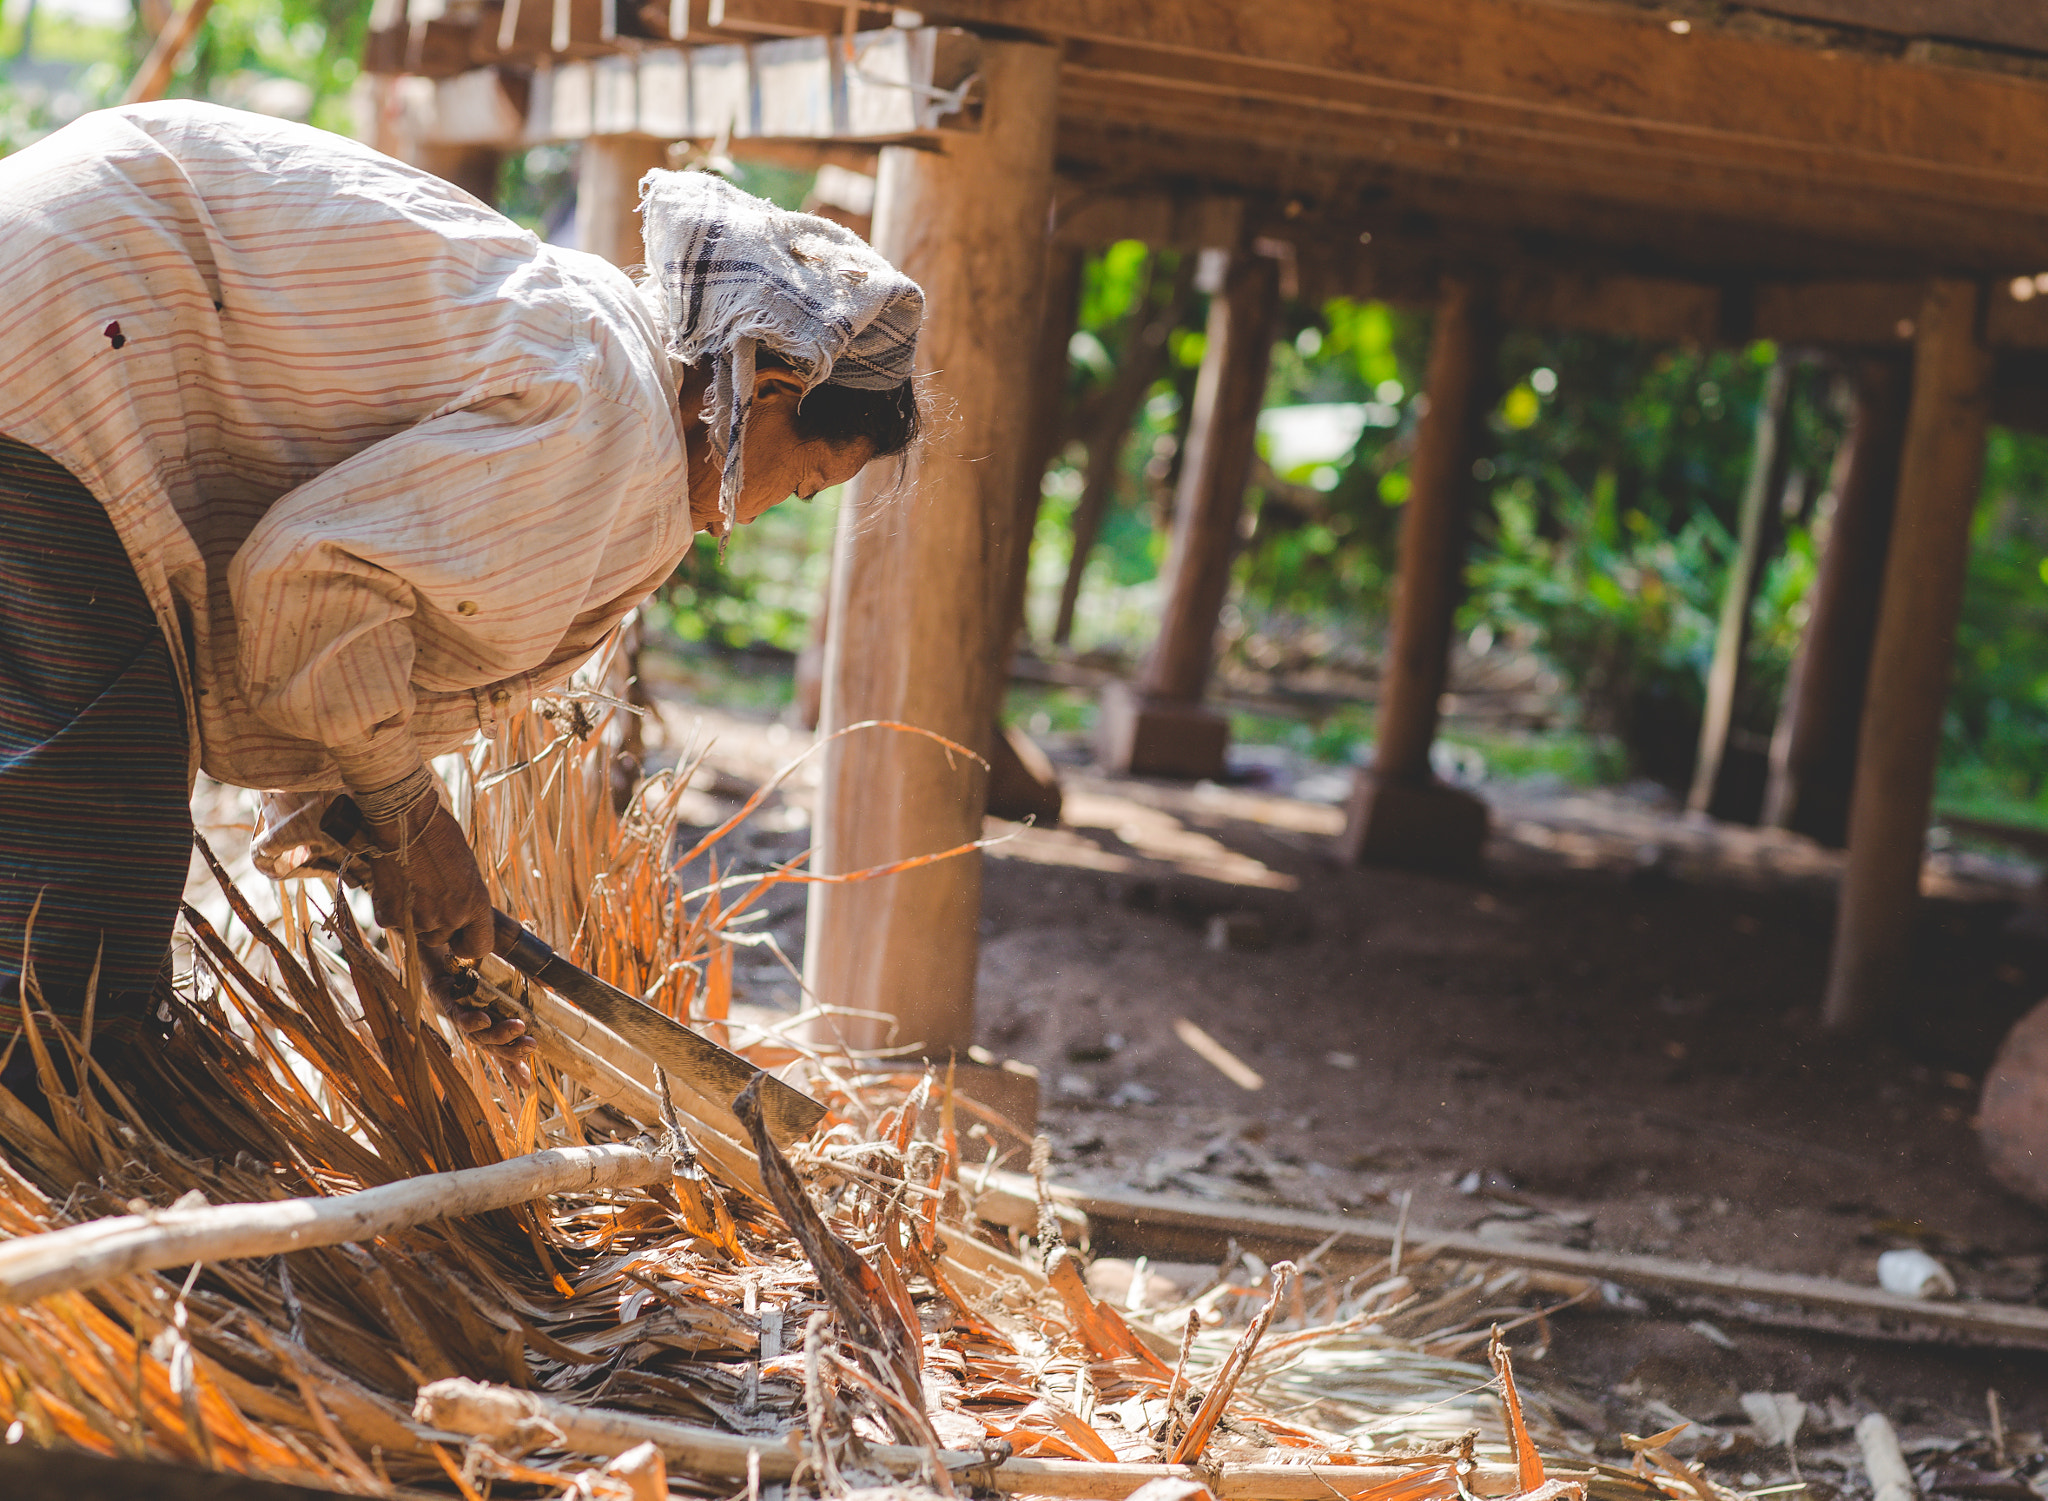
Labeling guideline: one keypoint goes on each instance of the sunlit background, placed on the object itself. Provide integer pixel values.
(1610, 479)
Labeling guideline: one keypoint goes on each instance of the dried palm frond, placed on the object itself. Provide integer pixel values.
(818, 1308)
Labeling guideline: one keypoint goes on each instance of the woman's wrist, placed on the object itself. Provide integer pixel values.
(397, 804)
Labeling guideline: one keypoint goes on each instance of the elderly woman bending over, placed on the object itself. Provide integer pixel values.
(311, 466)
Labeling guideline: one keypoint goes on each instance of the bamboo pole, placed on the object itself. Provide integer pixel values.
(500, 1415)
(1756, 536)
(154, 76)
(80, 1256)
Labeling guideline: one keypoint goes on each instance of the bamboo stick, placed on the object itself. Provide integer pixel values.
(1160, 1224)
(154, 76)
(81, 1255)
(504, 1416)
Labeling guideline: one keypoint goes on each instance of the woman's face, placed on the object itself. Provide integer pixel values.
(778, 463)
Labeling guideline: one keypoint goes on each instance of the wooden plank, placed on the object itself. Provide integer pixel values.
(1642, 307)
(798, 89)
(665, 93)
(1086, 219)
(880, 84)
(1997, 22)
(526, 29)
(579, 28)
(475, 109)
(572, 101)
(1939, 477)
(721, 92)
(1172, 1226)
(615, 95)
(437, 49)
(2016, 316)
(1593, 69)
(1839, 314)
(1939, 217)
(1497, 209)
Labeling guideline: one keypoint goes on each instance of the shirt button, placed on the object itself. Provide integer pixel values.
(467, 607)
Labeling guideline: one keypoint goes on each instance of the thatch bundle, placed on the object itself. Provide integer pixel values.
(835, 1319)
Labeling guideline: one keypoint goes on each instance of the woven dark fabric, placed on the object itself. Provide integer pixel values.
(95, 811)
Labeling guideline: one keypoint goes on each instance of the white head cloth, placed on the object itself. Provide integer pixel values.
(734, 272)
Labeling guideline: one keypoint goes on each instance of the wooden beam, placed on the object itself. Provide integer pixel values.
(1940, 474)
(921, 561)
(1600, 73)
(1399, 813)
(1813, 754)
(526, 29)
(579, 29)
(1714, 789)
(1940, 215)
(1996, 22)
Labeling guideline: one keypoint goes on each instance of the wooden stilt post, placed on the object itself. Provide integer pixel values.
(1151, 325)
(1813, 754)
(919, 608)
(1714, 788)
(1400, 814)
(1159, 727)
(608, 173)
(1940, 474)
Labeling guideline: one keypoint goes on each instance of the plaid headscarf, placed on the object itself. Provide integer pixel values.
(733, 272)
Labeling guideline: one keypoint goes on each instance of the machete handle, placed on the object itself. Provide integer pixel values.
(518, 947)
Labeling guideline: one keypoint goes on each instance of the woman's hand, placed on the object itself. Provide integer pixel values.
(429, 873)
(453, 991)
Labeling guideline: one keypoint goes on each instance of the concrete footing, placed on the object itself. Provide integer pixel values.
(1429, 827)
(1142, 736)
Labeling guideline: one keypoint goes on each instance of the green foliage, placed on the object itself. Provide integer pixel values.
(1624, 610)
(1995, 742)
(291, 57)
(765, 589)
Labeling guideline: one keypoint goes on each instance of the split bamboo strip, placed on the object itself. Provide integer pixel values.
(501, 1415)
(82, 1255)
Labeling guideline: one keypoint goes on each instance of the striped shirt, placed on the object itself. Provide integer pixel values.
(386, 465)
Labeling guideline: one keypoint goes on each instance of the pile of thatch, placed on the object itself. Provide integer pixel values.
(838, 1318)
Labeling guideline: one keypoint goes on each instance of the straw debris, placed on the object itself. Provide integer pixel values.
(261, 1248)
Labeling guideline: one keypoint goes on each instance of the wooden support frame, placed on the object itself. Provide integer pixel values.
(1158, 726)
(1813, 754)
(1940, 473)
(918, 599)
(1399, 813)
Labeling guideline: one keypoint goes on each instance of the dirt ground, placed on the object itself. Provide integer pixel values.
(1608, 1039)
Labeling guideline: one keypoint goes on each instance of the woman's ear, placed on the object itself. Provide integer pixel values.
(774, 387)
